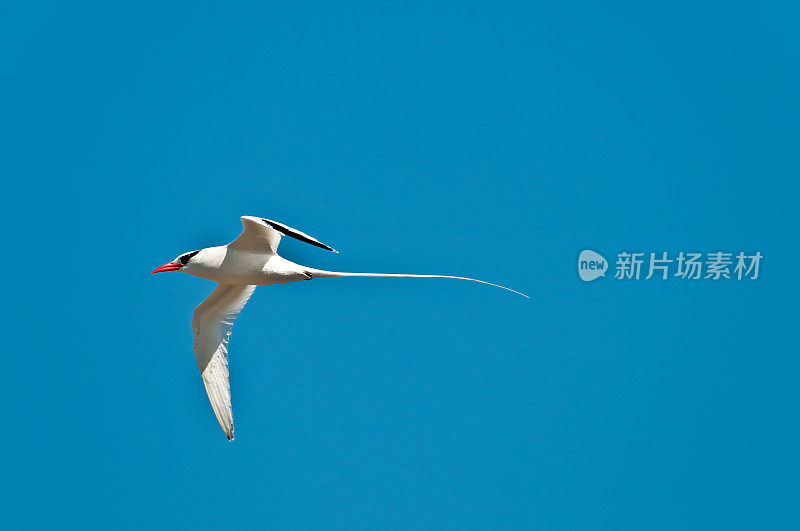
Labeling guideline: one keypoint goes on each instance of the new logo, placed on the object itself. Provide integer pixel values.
(591, 265)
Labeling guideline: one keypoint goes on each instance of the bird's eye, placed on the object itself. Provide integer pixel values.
(184, 258)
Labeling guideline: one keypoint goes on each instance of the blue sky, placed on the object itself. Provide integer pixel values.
(494, 140)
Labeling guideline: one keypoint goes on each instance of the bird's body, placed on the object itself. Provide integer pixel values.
(242, 266)
(249, 261)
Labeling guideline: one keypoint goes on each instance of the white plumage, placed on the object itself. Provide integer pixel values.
(248, 261)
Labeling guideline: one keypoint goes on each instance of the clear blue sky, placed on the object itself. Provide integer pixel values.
(494, 140)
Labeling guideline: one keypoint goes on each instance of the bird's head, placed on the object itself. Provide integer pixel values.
(176, 264)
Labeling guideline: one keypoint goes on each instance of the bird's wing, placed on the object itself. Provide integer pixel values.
(261, 235)
(212, 321)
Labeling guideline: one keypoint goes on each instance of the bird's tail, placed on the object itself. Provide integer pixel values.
(319, 273)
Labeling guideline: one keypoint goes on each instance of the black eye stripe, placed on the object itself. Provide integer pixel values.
(184, 258)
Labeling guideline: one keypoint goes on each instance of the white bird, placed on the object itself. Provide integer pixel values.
(250, 260)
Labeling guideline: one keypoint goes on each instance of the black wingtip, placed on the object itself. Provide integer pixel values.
(296, 234)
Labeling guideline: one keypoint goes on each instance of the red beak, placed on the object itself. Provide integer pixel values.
(169, 266)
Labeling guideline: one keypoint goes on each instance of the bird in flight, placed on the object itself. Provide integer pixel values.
(248, 261)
